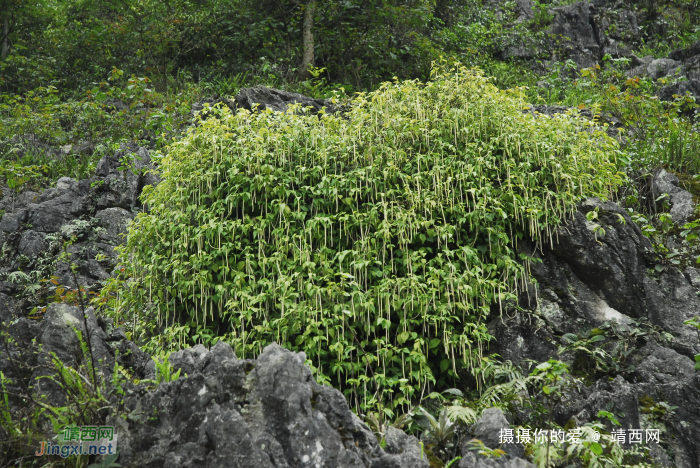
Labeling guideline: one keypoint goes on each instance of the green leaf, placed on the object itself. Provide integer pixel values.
(596, 448)
(570, 337)
(454, 391)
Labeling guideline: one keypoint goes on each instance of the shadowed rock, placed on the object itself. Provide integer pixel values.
(262, 98)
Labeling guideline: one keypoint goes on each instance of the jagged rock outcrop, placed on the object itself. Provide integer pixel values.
(577, 34)
(585, 32)
(589, 279)
(681, 201)
(690, 58)
(692, 87)
(95, 211)
(221, 412)
(277, 100)
(261, 98)
(266, 412)
(27, 351)
(654, 68)
(487, 430)
(681, 63)
(688, 66)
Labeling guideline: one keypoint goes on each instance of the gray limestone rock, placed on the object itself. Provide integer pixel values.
(6, 308)
(405, 448)
(681, 201)
(680, 89)
(12, 222)
(686, 53)
(59, 335)
(267, 412)
(579, 36)
(525, 10)
(693, 275)
(488, 430)
(32, 244)
(58, 206)
(189, 360)
(262, 98)
(122, 176)
(662, 67)
(470, 460)
(114, 221)
(587, 281)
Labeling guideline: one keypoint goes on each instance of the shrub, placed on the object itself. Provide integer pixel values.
(376, 240)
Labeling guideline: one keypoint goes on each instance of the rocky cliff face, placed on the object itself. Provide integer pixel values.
(615, 282)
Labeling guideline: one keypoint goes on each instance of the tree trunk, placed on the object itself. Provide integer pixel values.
(5, 35)
(307, 58)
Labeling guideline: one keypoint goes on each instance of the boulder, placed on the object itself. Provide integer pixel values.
(190, 360)
(6, 308)
(121, 177)
(405, 448)
(32, 244)
(690, 58)
(262, 98)
(691, 68)
(267, 412)
(686, 52)
(693, 275)
(681, 201)
(525, 10)
(662, 67)
(577, 34)
(655, 68)
(666, 93)
(114, 221)
(590, 279)
(58, 206)
(488, 430)
(12, 222)
(470, 460)
(59, 335)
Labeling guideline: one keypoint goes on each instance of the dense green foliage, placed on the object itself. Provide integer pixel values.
(70, 45)
(377, 240)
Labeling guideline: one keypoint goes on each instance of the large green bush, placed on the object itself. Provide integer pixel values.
(377, 240)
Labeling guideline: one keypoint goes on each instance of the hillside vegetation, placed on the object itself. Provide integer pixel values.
(376, 239)
(495, 209)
